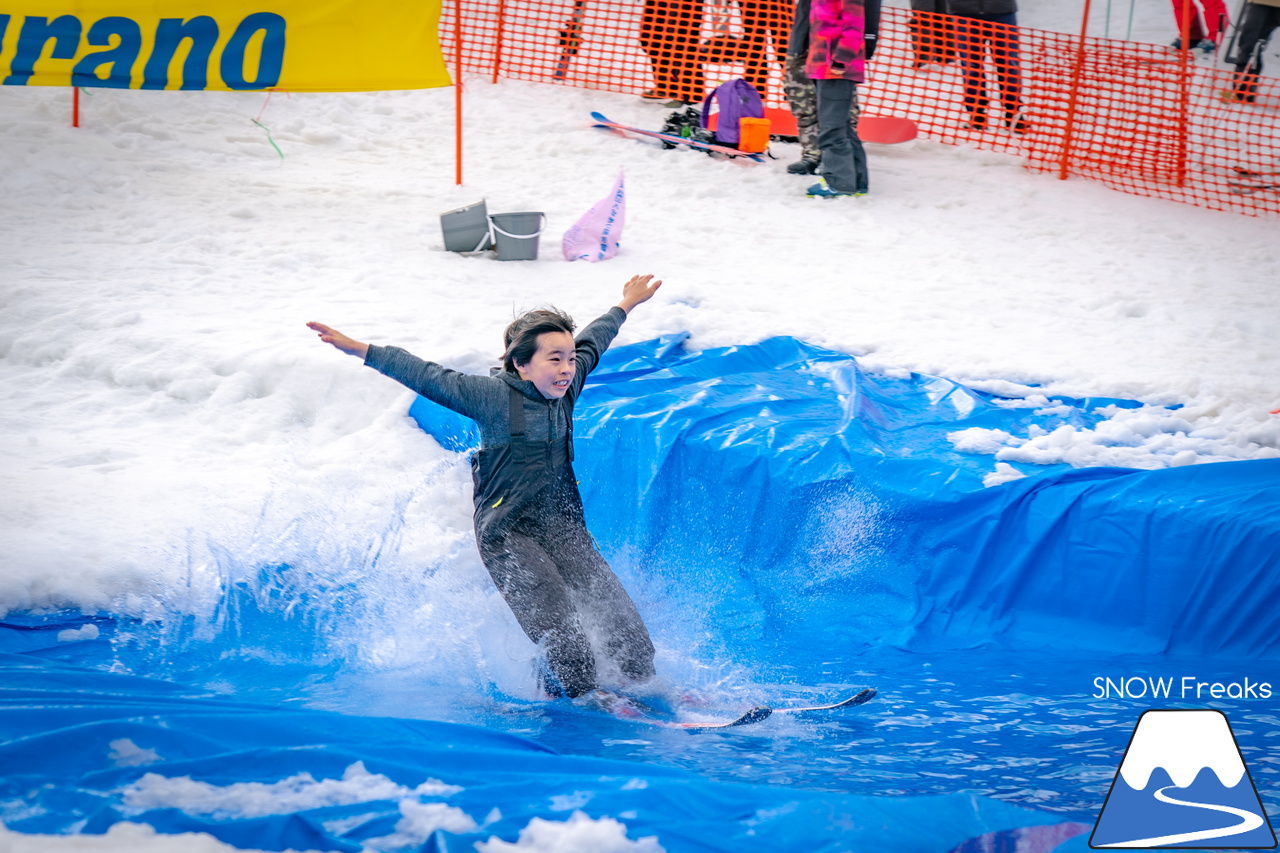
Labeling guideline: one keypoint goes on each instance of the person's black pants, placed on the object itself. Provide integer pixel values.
(844, 160)
(1255, 28)
(562, 593)
(998, 34)
(669, 34)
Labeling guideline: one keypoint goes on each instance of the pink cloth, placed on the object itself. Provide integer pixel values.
(596, 235)
(837, 47)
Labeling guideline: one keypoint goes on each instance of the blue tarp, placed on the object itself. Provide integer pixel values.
(814, 502)
(793, 504)
(82, 750)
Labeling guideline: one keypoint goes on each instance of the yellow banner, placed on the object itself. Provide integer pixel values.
(222, 45)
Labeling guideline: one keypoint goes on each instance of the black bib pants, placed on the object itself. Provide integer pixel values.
(533, 539)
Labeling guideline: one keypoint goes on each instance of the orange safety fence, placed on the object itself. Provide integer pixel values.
(1141, 118)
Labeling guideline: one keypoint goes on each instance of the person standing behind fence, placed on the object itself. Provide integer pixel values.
(1204, 30)
(981, 25)
(1260, 19)
(763, 21)
(669, 33)
(802, 98)
(837, 37)
(933, 38)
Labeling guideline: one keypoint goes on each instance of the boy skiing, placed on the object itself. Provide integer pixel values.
(529, 519)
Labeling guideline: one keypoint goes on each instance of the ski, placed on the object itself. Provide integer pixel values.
(632, 710)
(1250, 181)
(1243, 188)
(859, 698)
(754, 715)
(672, 139)
(570, 38)
(1254, 173)
(763, 712)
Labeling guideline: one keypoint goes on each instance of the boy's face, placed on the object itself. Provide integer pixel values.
(552, 366)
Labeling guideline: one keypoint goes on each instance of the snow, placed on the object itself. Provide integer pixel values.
(579, 834)
(123, 837)
(126, 753)
(163, 405)
(418, 820)
(293, 794)
(84, 632)
(161, 392)
(1183, 743)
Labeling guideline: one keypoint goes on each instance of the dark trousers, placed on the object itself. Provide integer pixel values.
(998, 34)
(1255, 28)
(933, 39)
(802, 98)
(562, 592)
(764, 22)
(669, 34)
(844, 161)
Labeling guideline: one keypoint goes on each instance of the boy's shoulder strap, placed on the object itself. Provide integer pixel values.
(516, 418)
(515, 402)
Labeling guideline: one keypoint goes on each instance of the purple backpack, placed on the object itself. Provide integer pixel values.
(736, 99)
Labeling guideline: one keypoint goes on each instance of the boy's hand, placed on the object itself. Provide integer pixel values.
(332, 336)
(638, 289)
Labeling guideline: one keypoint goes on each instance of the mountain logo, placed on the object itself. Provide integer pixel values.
(1182, 784)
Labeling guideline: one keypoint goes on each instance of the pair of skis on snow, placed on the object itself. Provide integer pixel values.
(1249, 181)
(670, 139)
(625, 708)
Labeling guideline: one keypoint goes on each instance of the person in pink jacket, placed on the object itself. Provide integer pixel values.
(837, 37)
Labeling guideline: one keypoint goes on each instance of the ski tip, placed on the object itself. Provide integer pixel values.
(860, 698)
(755, 715)
(748, 718)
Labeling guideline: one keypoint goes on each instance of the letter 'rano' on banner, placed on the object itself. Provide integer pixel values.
(298, 46)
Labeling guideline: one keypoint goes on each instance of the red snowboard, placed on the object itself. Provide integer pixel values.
(883, 130)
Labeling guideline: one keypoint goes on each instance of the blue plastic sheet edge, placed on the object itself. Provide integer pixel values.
(78, 745)
(824, 506)
(830, 500)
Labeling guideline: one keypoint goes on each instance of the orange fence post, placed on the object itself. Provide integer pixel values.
(457, 92)
(1068, 136)
(497, 49)
(1184, 90)
(75, 106)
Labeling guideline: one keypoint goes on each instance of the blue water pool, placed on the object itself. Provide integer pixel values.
(793, 529)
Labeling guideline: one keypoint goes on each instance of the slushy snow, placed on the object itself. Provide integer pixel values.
(163, 405)
(579, 834)
(162, 397)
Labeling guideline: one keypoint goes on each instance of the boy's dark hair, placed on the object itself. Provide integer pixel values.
(521, 337)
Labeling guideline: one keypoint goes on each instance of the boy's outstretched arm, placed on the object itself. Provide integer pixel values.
(332, 336)
(639, 288)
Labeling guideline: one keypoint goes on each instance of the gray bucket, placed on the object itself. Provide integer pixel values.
(515, 235)
(467, 228)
